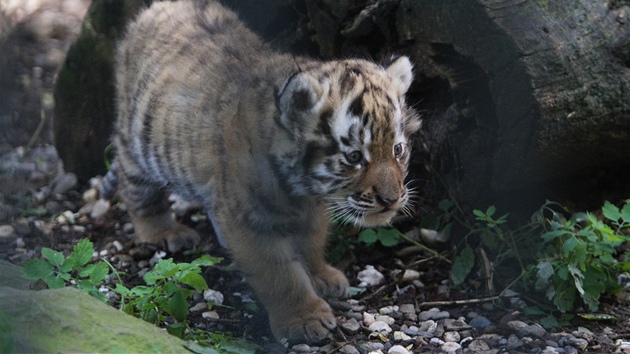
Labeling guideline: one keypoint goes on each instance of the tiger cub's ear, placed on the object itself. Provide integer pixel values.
(401, 73)
(297, 99)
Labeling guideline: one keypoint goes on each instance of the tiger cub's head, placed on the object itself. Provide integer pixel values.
(351, 125)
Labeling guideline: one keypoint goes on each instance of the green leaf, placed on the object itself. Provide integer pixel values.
(36, 268)
(81, 253)
(552, 235)
(388, 237)
(544, 274)
(195, 280)
(625, 212)
(462, 265)
(178, 306)
(166, 268)
(206, 261)
(549, 322)
(368, 236)
(569, 245)
(479, 214)
(611, 211)
(55, 281)
(177, 330)
(96, 272)
(55, 258)
(491, 210)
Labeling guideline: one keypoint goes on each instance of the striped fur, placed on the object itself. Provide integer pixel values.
(272, 145)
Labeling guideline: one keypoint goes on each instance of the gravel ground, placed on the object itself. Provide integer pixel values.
(407, 305)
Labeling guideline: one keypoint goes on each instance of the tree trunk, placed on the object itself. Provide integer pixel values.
(540, 90)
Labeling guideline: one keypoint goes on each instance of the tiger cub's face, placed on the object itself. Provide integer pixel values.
(352, 124)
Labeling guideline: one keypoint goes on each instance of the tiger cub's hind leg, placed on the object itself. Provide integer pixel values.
(149, 209)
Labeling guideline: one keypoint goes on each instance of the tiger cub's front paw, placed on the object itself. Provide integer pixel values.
(310, 324)
(331, 283)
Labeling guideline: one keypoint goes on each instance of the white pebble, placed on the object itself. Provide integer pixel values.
(452, 336)
(199, 307)
(100, 208)
(302, 348)
(380, 327)
(7, 231)
(210, 315)
(117, 245)
(401, 336)
(384, 318)
(436, 341)
(370, 277)
(67, 217)
(398, 349)
(450, 347)
(410, 275)
(368, 319)
(90, 195)
(213, 296)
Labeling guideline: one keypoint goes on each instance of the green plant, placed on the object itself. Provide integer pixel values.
(169, 287)
(568, 260)
(386, 236)
(577, 258)
(58, 271)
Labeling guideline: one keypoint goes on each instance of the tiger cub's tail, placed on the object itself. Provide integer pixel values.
(109, 185)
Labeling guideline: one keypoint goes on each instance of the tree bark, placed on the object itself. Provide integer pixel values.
(540, 90)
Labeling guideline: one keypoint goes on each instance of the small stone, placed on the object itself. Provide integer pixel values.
(455, 325)
(478, 345)
(117, 245)
(387, 319)
(90, 195)
(19, 243)
(200, 306)
(513, 342)
(410, 275)
(67, 217)
(411, 330)
(418, 284)
(480, 322)
(64, 183)
(302, 348)
(436, 341)
(450, 347)
(380, 327)
(368, 318)
(210, 315)
(428, 326)
(23, 227)
(452, 336)
(398, 349)
(534, 330)
(213, 296)
(407, 308)
(101, 207)
(401, 336)
(387, 310)
(351, 326)
(349, 349)
(7, 231)
(579, 343)
(370, 277)
(549, 350)
(571, 350)
(516, 325)
(433, 314)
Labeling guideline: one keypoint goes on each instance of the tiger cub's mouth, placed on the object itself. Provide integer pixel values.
(360, 212)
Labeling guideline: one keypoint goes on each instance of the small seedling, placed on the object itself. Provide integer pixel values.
(169, 287)
(58, 271)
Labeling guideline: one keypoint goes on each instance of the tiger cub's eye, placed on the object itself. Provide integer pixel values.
(354, 157)
(399, 150)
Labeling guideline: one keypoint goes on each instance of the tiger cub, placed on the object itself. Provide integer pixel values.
(272, 145)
